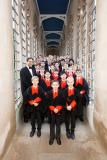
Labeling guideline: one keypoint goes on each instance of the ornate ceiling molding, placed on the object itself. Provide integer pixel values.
(47, 16)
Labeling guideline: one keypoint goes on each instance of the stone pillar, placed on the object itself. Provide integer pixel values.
(7, 107)
(74, 12)
(100, 113)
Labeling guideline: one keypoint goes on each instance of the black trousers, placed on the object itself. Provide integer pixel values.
(36, 118)
(70, 120)
(55, 121)
(80, 107)
(26, 110)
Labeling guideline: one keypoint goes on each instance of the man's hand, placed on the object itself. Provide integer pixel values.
(69, 108)
(55, 110)
(36, 104)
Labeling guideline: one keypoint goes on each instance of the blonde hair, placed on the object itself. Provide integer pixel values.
(70, 77)
(35, 77)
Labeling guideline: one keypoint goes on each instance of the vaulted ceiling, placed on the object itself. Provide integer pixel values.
(53, 18)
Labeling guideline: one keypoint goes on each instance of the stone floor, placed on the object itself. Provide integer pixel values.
(84, 147)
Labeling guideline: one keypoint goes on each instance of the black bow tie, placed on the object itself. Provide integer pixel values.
(30, 67)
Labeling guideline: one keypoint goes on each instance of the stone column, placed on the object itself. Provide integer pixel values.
(74, 12)
(100, 113)
(7, 107)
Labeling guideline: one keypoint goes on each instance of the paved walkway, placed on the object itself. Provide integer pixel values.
(84, 147)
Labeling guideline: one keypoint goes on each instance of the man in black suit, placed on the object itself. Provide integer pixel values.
(26, 74)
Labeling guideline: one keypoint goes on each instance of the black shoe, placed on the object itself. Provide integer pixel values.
(39, 133)
(32, 133)
(81, 119)
(51, 141)
(25, 120)
(68, 135)
(58, 141)
(72, 135)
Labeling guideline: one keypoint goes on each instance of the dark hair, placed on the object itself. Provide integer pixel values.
(71, 60)
(42, 61)
(55, 70)
(78, 70)
(62, 60)
(29, 59)
(63, 72)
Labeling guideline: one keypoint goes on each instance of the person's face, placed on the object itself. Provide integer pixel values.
(47, 75)
(42, 72)
(42, 64)
(67, 60)
(52, 68)
(40, 58)
(55, 85)
(37, 68)
(70, 69)
(56, 65)
(62, 63)
(49, 61)
(50, 56)
(66, 66)
(35, 81)
(30, 62)
(70, 81)
(71, 63)
(79, 74)
(63, 76)
(75, 67)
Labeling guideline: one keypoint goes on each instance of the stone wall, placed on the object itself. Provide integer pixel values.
(7, 107)
(100, 112)
(10, 62)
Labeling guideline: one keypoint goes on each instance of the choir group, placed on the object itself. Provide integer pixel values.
(53, 89)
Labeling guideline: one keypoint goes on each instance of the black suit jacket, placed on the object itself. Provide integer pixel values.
(25, 77)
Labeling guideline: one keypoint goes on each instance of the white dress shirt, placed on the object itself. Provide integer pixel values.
(30, 70)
